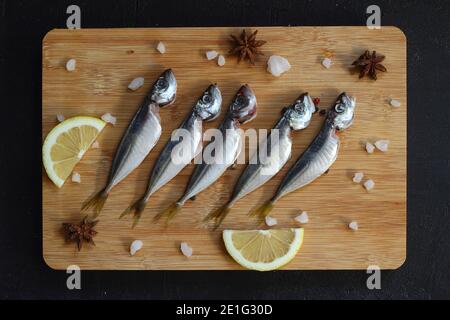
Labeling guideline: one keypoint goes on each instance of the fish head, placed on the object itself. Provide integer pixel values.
(164, 89)
(243, 107)
(299, 114)
(343, 111)
(209, 104)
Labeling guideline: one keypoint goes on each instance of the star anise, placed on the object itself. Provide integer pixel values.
(246, 46)
(79, 233)
(369, 64)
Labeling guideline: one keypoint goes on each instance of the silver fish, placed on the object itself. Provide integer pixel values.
(141, 136)
(273, 154)
(241, 110)
(320, 154)
(168, 164)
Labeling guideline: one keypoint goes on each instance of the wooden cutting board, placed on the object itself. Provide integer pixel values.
(108, 59)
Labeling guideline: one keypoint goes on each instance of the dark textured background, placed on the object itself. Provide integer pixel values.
(23, 273)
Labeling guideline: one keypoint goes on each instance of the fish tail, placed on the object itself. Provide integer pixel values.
(169, 213)
(136, 209)
(263, 211)
(218, 215)
(97, 201)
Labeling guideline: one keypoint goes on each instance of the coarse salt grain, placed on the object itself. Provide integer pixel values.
(302, 218)
(357, 178)
(369, 147)
(395, 103)
(135, 246)
(71, 65)
(136, 83)
(107, 117)
(212, 54)
(271, 221)
(76, 177)
(382, 145)
(186, 249)
(327, 62)
(221, 60)
(95, 145)
(353, 225)
(277, 65)
(369, 184)
(161, 47)
(60, 117)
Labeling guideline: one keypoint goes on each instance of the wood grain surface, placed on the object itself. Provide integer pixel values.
(108, 59)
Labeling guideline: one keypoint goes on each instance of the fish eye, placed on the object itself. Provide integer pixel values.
(161, 83)
(339, 108)
(299, 107)
(240, 100)
(206, 98)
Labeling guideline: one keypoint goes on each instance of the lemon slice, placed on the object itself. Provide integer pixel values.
(263, 250)
(66, 144)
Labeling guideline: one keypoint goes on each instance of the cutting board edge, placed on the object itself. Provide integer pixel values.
(51, 32)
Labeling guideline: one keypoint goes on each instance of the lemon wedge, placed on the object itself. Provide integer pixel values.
(263, 250)
(66, 144)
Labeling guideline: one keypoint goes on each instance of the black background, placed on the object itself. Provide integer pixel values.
(23, 273)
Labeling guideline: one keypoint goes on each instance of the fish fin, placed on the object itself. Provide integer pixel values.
(97, 201)
(263, 211)
(169, 213)
(136, 210)
(218, 215)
